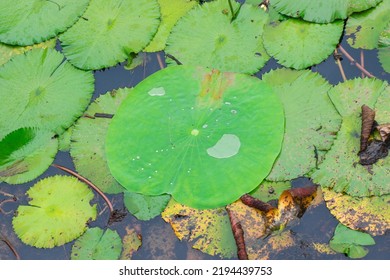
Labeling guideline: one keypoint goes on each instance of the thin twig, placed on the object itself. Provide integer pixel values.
(81, 178)
(6, 194)
(353, 61)
(10, 247)
(173, 58)
(362, 61)
(160, 62)
(13, 199)
(338, 62)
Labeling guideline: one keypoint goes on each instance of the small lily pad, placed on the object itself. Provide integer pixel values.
(171, 12)
(40, 89)
(311, 121)
(384, 48)
(369, 214)
(88, 141)
(218, 42)
(28, 22)
(25, 154)
(298, 44)
(145, 207)
(109, 31)
(97, 244)
(57, 213)
(350, 242)
(204, 136)
(364, 29)
(341, 170)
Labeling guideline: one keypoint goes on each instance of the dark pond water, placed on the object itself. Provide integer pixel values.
(159, 241)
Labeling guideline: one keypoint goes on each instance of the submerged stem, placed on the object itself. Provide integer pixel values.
(89, 183)
(160, 62)
(238, 234)
(338, 62)
(353, 61)
(10, 247)
(362, 61)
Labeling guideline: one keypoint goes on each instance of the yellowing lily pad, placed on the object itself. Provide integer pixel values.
(131, 243)
(57, 213)
(204, 136)
(218, 41)
(25, 154)
(341, 170)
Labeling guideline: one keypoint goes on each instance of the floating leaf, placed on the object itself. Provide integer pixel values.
(208, 230)
(316, 41)
(97, 244)
(267, 190)
(384, 48)
(145, 207)
(109, 31)
(206, 137)
(369, 214)
(64, 140)
(88, 140)
(40, 89)
(322, 11)
(8, 51)
(171, 12)
(25, 154)
(323, 248)
(365, 28)
(58, 212)
(311, 121)
(218, 42)
(28, 22)
(131, 243)
(350, 242)
(341, 170)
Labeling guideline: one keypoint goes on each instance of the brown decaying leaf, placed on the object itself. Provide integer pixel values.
(384, 131)
(368, 119)
(238, 234)
(132, 240)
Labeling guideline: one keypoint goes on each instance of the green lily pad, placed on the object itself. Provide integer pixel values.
(171, 12)
(207, 230)
(28, 22)
(145, 207)
(8, 51)
(109, 31)
(340, 170)
(369, 214)
(365, 28)
(322, 11)
(64, 140)
(217, 42)
(350, 242)
(88, 141)
(316, 41)
(204, 136)
(40, 89)
(57, 212)
(25, 154)
(384, 48)
(97, 244)
(311, 121)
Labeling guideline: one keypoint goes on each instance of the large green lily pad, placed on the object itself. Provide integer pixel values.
(57, 213)
(384, 48)
(364, 29)
(341, 170)
(322, 11)
(368, 214)
(28, 22)
(171, 12)
(88, 141)
(311, 121)
(109, 31)
(40, 89)
(25, 154)
(97, 244)
(217, 42)
(299, 44)
(204, 136)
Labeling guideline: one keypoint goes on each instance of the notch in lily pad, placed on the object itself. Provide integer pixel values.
(210, 138)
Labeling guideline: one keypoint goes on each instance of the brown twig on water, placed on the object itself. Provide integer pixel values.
(337, 57)
(89, 183)
(173, 58)
(10, 247)
(354, 62)
(256, 203)
(13, 199)
(160, 62)
(362, 61)
(238, 234)
(368, 119)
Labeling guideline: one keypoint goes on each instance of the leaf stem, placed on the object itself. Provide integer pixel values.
(256, 203)
(238, 234)
(338, 62)
(160, 62)
(362, 61)
(10, 247)
(81, 178)
(353, 61)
